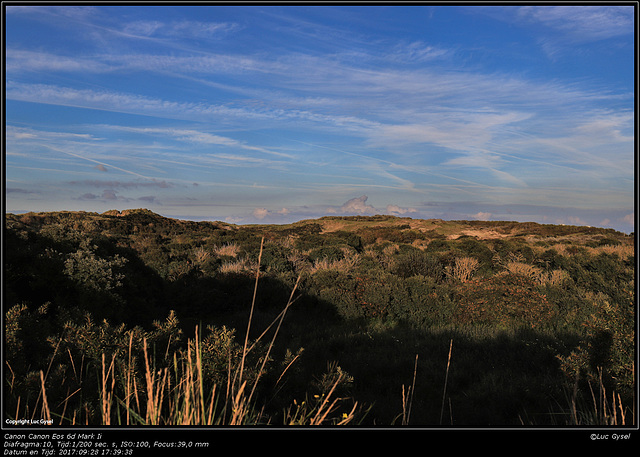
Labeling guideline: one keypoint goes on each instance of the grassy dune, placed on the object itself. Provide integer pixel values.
(132, 318)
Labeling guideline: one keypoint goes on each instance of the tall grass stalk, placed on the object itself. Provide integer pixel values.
(407, 398)
(279, 319)
(105, 394)
(253, 303)
(45, 405)
(446, 378)
(600, 411)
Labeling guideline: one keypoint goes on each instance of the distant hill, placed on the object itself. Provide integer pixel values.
(145, 219)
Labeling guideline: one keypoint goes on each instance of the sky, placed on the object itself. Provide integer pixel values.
(272, 114)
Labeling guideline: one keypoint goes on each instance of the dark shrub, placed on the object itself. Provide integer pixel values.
(416, 263)
(330, 253)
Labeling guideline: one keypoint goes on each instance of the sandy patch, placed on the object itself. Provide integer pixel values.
(332, 226)
(480, 234)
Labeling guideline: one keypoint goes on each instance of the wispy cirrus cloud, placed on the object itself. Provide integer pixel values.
(182, 28)
(92, 24)
(582, 23)
(25, 133)
(68, 150)
(122, 184)
(391, 98)
(156, 107)
(562, 30)
(198, 136)
(18, 61)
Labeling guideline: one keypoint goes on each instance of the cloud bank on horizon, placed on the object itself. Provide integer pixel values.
(271, 114)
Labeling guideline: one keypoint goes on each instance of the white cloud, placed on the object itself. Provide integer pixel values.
(260, 213)
(575, 220)
(357, 205)
(606, 127)
(480, 216)
(630, 219)
(397, 210)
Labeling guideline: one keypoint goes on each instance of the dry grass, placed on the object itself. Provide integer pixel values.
(538, 275)
(230, 250)
(623, 251)
(463, 268)
(384, 258)
(344, 265)
(557, 277)
(602, 411)
(298, 259)
(524, 269)
(238, 266)
(201, 255)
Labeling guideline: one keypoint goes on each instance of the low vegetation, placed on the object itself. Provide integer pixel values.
(128, 318)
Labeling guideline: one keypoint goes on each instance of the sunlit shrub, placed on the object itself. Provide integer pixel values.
(504, 301)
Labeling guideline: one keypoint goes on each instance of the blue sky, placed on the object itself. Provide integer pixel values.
(272, 114)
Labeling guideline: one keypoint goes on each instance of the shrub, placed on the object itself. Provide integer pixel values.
(330, 253)
(367, 306)
(607, 349)
(275, 258)
(398, 234)
(438, 245)
(96, 273)
(417, 262)
(353, 297)
(504, 300)
(421, 303)
(476, 249)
